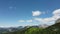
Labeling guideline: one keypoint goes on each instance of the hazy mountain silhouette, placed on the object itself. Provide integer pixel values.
(53, 29)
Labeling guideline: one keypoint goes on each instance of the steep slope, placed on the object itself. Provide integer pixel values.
(54, 29)
(30, 30)
(33, 30)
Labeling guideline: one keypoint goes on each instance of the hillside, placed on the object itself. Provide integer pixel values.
(53, 29)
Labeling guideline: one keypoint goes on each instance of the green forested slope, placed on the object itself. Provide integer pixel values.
(54, 29)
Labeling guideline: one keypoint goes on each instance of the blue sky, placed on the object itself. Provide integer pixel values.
(12, 12)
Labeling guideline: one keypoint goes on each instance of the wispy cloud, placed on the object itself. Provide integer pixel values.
(56, 15)
(11, 7)
(29, 21)
(21, 21)
(56, 12)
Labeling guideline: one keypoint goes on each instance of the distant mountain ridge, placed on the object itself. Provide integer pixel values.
(21, 28)
(41, 29)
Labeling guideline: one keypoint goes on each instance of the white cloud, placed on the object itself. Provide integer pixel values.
(21, 21)
(29, 20)
(56, 15)
(5, 26)
(44, 20)
(25, 20)
(36, 13)
(57, 12)
(10, 7)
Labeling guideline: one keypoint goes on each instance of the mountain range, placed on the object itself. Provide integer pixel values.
(40, 29)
